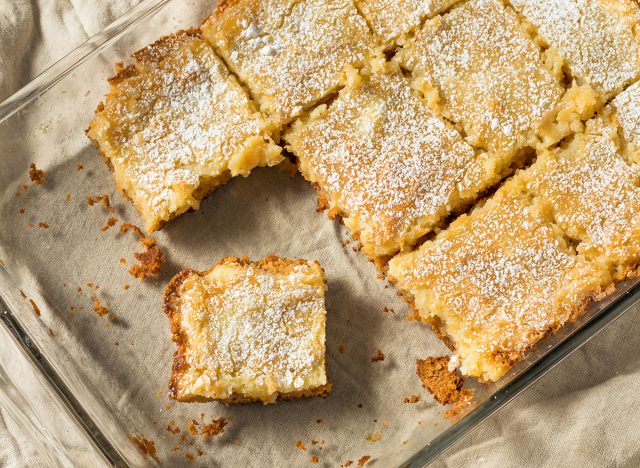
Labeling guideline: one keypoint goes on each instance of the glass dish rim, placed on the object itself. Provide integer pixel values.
(427, 454)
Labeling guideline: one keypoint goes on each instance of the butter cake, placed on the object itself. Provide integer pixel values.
(594, 193)
(481, 70)
(381, 159)
(599, 39)
(175, 125)
(391, 19)
(497, 280)
(248, 331)
(290, 53)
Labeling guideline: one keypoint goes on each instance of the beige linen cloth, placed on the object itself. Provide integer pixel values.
(583, 413)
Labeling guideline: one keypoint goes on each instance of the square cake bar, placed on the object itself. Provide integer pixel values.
(381, 159)
(599, 39)
(479, 68)
(248, 331)
(290, 53)
(496, 281)
(175, 125)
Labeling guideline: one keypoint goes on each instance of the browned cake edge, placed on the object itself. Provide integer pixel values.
(171, 307)
(207, 184)
(510, 358)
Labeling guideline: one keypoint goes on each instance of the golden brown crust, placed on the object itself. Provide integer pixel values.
(437, 379)
(171, 307)
(154, 51)
(271, 264)
(510, 358)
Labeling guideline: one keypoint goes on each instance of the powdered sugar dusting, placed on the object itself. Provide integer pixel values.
(290, 53)
(594, 193)
(627, 106)
(249, 327)
(499, 279)
(382, 157)
(392, 18)
(488, 72)
(161, 127)
(596, 37)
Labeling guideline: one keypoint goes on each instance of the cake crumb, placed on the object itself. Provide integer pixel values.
(132, 227)
(150, 260)
(145, 446)
(436, 378)
(79, 167)
(379, 356)
(300, 445)
(464, 400)
(36, 309)
(411, 399)
(123, 261)
(43, 225)
(192, 427)
(67, 197)
(36, 175)
(347, 463)
(341, 348)
(51, 332)
(314, 459)
(359, 405)
(216, 427)
(173, 427)
(21, 211)
(125, 287)
(99, 308)
(319, 421)
(23, 294)
(363, 460)
(189, 456)
(104, 199)
(110, 222)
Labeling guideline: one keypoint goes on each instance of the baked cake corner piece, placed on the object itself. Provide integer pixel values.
(383, 161)
(289, 53)
(498, 280)
(175, 125)
(248, 331)
(483, 72)
(599, 39)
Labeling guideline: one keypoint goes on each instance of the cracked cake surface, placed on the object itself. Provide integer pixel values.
(599, 39)
(499, 279)
(386, 163)
(482, 71)
(289, 53)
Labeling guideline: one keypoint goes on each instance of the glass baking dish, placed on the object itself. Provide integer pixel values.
(109, 376)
